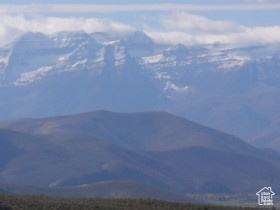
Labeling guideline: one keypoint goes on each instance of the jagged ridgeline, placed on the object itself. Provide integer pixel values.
(71, 72)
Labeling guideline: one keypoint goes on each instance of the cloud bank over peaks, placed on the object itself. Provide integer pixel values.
(192, 29)
(179, 27)
(14, 26)
(197, 24)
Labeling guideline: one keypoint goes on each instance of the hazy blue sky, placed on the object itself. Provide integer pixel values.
(190, 21)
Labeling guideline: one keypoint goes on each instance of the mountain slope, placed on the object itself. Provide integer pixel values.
(109, 189)
(144, 131)
(46, 163)
(220, 171)
(11, 146)
(154, 149)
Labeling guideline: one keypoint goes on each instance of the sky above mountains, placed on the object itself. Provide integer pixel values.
(238, 22)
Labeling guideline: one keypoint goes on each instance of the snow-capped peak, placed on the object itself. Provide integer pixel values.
(71, 39)
(139, 37)
(177, 48)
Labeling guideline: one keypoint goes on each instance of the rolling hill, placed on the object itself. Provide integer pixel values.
(150, 131)
(99, 150)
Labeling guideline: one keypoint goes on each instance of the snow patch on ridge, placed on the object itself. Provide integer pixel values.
(153, 59)
(171, 90)
(4, 60)
(79, 63)
(162, 75)
(233, 61)
(31, 76)
(120, 55)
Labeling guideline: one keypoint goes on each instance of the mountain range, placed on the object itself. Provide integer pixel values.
(232, 89)
(145, 154)
(133, 150)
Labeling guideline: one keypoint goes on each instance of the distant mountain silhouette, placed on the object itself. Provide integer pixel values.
(141, 131)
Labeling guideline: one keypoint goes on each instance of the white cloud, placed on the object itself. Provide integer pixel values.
(182, 27)
(197, 24)
(193, 29)
(13, 26)
(177, 28)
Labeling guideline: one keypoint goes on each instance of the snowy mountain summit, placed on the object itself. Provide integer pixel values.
(35, 56)
(69, 72)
